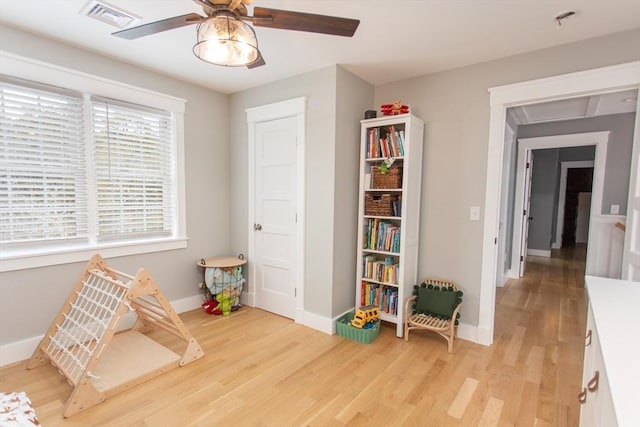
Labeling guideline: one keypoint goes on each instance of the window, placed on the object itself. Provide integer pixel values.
(82, 173)
(133, 171)
(43, 196)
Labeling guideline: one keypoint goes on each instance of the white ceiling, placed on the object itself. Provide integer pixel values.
(576, 108)
(397, 39)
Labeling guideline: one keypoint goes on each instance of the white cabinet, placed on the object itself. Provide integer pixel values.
(389, 213)
(596, 405)
(613, 352)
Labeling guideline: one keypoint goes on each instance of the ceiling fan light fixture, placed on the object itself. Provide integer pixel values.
(226, 40)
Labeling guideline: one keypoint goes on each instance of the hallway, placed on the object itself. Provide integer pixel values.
(541, 318)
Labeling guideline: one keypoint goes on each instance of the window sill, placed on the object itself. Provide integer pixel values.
(51, 256)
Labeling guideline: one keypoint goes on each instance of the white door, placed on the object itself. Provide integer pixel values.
(275, 215)
(503, 256)
(524, 240)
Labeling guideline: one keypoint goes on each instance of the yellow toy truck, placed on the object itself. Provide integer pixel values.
(364, 315)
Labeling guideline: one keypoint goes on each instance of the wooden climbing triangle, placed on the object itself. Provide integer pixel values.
(83, 345)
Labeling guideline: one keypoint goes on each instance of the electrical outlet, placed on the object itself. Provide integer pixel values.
(615, 209)
(474, 213)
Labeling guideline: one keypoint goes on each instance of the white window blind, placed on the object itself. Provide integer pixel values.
(134, 170)
(43, 189)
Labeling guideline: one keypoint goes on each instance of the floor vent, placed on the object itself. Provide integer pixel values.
(110, 14)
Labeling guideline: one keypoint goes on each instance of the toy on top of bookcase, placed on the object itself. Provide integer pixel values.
(365, 316)
(394, 109)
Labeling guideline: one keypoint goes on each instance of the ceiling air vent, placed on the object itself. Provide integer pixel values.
(110, 14)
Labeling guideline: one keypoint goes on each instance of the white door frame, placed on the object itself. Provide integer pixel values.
(599, 139)
(564, 169)
(606, 79)
(631, 253)
(296, 107)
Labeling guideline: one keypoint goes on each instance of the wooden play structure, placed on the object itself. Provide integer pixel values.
(83, 345)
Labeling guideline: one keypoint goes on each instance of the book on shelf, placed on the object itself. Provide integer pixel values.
(373, 144)
(385, 271)
(396, 204)
(382, 235)
(400, 136)
(369, 294)
(389, 301)
(388, 143)
(393, 302)
(393, 137)
(384, 147)
(383, 297)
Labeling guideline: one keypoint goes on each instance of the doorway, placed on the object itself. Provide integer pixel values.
(576, 206)
(602, 80)
(525, 146)
(564, 168)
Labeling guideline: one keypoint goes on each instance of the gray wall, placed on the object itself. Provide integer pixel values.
(455, 106)
(354, 96)
(329, 280)
(30, 299)
(618, 164)
(544, 179)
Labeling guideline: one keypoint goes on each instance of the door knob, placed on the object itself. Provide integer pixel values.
(257, 227)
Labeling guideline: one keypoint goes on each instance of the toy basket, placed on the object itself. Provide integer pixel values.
(379, 204)
(223, 278)
(390, 180)
(345, 330)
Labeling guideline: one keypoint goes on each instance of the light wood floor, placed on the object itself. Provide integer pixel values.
(264, 370)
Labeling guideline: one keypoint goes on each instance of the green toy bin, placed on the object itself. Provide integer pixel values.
(365, 336)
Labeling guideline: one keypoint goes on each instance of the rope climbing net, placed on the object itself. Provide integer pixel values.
(91, 313)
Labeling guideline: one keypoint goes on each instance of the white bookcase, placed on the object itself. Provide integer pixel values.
(389, 214)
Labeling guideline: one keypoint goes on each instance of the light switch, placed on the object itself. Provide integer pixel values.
(615, 209)
(474, 214)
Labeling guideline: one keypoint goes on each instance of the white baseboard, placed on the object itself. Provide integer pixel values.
(483, 336)
(503, 281)
(18, 351)
(512, 274)
(317, 322)
(247, 298)
(187, 304)
(556, 245)
(539, 252)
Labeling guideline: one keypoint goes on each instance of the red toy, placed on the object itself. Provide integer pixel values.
(210, 307)
(394, 109)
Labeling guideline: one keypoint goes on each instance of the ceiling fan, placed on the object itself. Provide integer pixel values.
(225, 38)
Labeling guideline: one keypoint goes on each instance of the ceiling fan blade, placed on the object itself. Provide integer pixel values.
(159, 26)
(208, 8)
(257, 63)
(288, 20)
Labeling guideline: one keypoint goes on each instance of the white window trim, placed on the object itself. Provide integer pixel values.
(29, 69)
